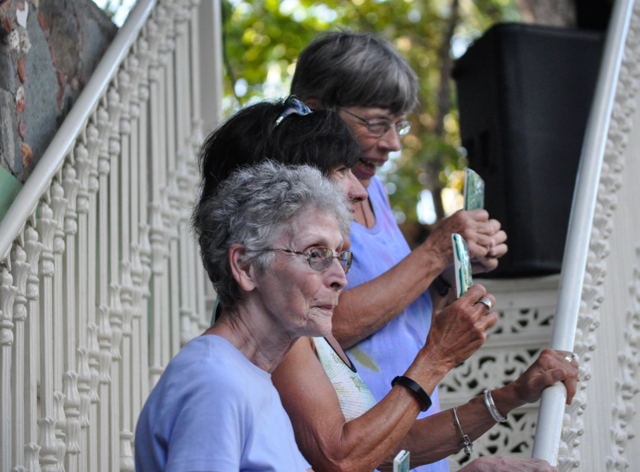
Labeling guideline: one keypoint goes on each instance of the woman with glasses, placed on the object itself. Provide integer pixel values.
(271, 239)
(338, 423)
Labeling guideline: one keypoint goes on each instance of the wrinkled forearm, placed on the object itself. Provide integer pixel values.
(435, 438)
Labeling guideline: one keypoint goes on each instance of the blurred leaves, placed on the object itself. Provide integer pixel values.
(263, 39)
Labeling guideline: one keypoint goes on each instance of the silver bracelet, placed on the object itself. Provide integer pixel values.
(463, 439)
(491, 406)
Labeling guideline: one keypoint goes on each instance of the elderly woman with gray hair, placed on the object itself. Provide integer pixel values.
(271, 239)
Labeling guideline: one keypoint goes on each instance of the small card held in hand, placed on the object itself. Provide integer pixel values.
(462, 264)
(401, 462)
(473, 190)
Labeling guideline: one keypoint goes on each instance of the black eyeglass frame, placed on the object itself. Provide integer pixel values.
(402, 127)
(293, 105)
(345, 258)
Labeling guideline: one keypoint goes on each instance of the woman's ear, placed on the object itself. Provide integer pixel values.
(241, 271)
(313, 103)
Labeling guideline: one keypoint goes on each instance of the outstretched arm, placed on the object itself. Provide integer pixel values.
(438, 431)
(365, 309)
(325, 438)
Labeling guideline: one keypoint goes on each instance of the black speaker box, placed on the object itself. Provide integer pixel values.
(524, 94)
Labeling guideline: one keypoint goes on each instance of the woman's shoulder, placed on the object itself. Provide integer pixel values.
(377, 188)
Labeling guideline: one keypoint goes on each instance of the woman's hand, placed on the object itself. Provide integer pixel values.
(485, 240)
(551, 367)
(460, 329)
(508, 464)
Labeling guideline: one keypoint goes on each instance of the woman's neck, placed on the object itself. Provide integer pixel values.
(364, 214)
(261, 340)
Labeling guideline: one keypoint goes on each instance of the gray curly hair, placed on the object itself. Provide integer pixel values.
(254, 207)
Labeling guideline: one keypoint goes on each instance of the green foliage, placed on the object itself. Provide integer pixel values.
(263, 39)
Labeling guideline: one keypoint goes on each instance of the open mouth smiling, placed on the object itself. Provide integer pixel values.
(369, 165)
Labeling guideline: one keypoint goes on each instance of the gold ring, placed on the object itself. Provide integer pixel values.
(486, 302)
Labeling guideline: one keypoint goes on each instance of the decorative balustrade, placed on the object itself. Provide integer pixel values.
(100, 279)
(596, 317)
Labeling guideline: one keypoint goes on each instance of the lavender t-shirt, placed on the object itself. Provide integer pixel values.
(391, 350)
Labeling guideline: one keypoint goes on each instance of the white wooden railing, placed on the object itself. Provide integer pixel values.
(100, 279)
(597, 316)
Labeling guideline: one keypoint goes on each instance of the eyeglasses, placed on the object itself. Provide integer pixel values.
(378, 129)
(293, 105)
(320, 258)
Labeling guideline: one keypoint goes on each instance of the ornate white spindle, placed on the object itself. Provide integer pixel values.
(47, 225)
(31, 454)
(33, 247)
(94, 382)
(48, 445)
(70, 378)
(123, 397)
(144, 55)
(20, 271)
(145, 258)
(8, 292)
(94, 281)
(116, 108)
(196, 112)
(104, 368)
(174, 271)
(136, 312)
(82, 166)
(126, 434)
(136, 73)
(59, 205)
(102, 314)
(158, 257)
(193, 265)
(156, 230)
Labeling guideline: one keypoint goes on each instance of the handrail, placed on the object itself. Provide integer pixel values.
(53, 158)
(550, 419)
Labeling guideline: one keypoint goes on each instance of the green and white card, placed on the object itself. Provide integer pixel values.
(473, 190)
(461, 264)
(401, 462)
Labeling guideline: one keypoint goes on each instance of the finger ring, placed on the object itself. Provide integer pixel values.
(570, 357)
(486, 302)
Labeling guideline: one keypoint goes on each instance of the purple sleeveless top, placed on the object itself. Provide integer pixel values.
(391, 350)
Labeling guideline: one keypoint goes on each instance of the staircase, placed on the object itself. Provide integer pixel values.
(100, 277)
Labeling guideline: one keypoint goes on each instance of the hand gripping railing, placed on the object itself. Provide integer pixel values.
(574, 266)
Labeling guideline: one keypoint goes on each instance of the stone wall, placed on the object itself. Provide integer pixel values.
(48, 51)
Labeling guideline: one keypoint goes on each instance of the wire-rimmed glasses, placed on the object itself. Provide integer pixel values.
(320, 258)
(379, 128)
